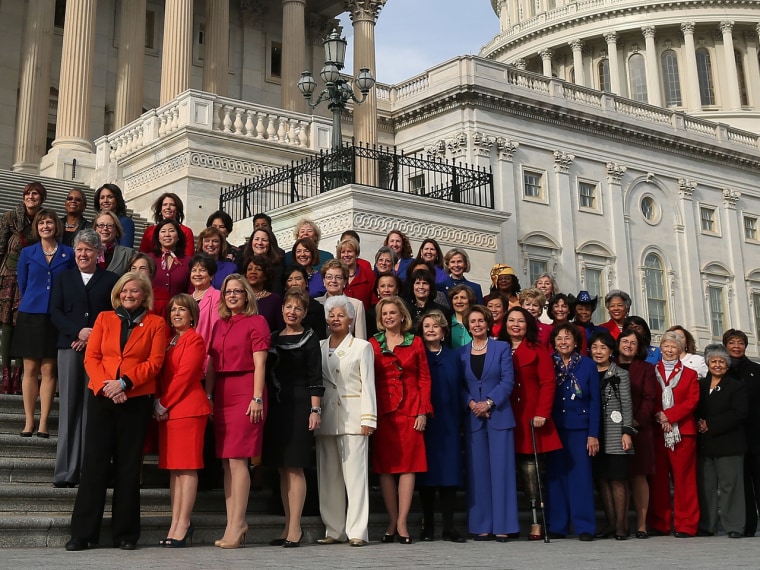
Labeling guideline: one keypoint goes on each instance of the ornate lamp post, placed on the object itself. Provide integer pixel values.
(337, 91)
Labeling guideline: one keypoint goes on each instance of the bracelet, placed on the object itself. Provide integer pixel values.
(209, 396)
(123, 385)
(316, 410)
(259, 401)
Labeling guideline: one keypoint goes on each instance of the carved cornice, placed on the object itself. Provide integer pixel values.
(615, 172)
(418, 230)
(364, 10)
(730, 198)
(686, 188)
(562, 161)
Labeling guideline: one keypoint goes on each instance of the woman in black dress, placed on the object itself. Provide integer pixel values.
(294, 411)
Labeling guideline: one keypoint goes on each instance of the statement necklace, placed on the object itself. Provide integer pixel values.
(50, 253)
(476, 349)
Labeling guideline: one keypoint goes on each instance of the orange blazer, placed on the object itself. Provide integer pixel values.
(140, 360)
(180, 388)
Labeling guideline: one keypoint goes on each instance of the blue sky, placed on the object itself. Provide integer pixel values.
(414, 35)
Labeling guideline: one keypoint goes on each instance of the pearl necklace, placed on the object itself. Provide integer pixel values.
(476, 349)
(50, 253)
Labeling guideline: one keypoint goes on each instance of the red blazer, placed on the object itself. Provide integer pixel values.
(363, 285)
(533, 395)
(146, 243)
(180, 388)
(685, 398)
(140, 360)
(613, 328)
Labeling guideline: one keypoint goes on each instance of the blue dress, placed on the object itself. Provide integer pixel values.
(442, 439)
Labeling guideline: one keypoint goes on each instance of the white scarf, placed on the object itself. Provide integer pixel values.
(674, 436)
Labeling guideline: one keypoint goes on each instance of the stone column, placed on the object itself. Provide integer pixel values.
(216, 53)
(364, 15)
(612, 54)
(514, 12)
(686, 256)
(293, 53)
(733, 225)
(34, 87)
(753, 79)
(546, 60)
(653, 73)
(502, 11)
(732, 79)
(617, 230)
(129, 72)
(564, 215)
(177, 49)
(577, 47)
(693, 98)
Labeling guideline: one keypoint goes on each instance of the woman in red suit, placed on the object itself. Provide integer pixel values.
(182, 409)
(235, 377)
(124, 355)
(172, 267)
(402, 384)
(532, 399)
(676, 453)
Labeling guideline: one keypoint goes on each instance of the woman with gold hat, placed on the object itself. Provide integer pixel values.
(505, 283)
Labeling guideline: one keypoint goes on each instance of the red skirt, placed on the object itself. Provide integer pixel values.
(397, 446)
(180, 443)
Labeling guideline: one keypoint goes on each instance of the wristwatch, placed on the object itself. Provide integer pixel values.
(490, 403)
(259, 401)
(316, 410)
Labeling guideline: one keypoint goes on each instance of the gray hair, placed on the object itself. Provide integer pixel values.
(342, 302)
(385, 249)
(717, 350)
(90, 238)
(673, 337)
(618, 293)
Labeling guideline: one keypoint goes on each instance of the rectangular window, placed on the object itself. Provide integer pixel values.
(150, 29)
(717, 311)
(750, 227)
(535, 268)
(756, 304)
(655, 299)
(533, 185)
(594, 288)
(707, 215)
(275, 60)
(587, 195)
(417, 184)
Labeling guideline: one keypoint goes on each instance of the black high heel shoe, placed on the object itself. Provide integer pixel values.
(186, 541)
(388, 538)
(404, 539)
(292, 543)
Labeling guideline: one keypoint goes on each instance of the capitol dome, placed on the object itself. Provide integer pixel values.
(698, 57)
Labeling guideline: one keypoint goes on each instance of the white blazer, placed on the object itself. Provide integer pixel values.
(358, 328)
(348, 374)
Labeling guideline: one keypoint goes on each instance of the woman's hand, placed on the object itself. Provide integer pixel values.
(255, 412)
(420, 422)
(112, 388)
(480, 409)
(315, 420)
(592, 445)
(702, 426)
(367, 431)
(538, 421)
(627, 442)
(667, 427)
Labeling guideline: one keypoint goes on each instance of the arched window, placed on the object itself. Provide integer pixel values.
(705, 75)
(670, 80)
(740, 78)
(637, 76)
(655, 289)
(604, 75)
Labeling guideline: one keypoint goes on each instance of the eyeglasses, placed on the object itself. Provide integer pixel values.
(625, 341)
(73, 199)
(333, 278)
(229, 292)
(105, 226)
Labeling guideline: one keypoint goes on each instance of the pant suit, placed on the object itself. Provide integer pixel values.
(569, 477)
(490, 442)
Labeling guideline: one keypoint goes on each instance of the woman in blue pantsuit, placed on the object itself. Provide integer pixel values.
(576, 413)
(489, 431)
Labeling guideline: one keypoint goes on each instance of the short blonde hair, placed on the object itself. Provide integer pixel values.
(142, 280)
(119, 229)
(251, 307)
(457, 251)
(406, 317)
(533, 294)
(307, 222)
(438, 318)
(350, 243)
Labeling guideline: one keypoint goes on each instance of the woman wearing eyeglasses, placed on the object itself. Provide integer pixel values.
(114, 257)
(74, 220)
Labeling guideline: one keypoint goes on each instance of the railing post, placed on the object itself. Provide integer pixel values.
(293, 191)
(492, 204)
(394, 177)
(321, 172)
(455, 192)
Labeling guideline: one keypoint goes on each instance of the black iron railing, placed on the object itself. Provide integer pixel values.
(383, 168)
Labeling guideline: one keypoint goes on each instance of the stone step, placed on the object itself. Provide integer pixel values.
(14, 404)
(13, 423)
(14, 446)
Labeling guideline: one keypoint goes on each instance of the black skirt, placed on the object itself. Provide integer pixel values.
(34, 336)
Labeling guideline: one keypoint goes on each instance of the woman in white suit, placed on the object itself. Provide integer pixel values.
(349, 416)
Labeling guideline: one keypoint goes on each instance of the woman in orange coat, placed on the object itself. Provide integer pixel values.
(402, 385)
(532, 400)
(182, 410)
(124, 355)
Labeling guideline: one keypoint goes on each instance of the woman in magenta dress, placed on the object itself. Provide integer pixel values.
(235, 380)
(402, 384)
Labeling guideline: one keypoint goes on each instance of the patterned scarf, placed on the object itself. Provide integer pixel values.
(565, 372)
(667, 397)
(165, 260)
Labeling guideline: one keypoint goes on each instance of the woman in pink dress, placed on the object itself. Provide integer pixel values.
(235, 380)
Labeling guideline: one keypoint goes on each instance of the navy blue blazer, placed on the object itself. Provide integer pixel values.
(35, 276)
(573, 410)
(75, 306)
(496, 382)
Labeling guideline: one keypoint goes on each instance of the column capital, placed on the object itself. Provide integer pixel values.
(757, 29)
(506, 148)
(615, 172)
(686, 188)
(522, 63)
(458, 145)
(575, 45)
(687, 28)
(545, 54)
(726, 26)
(648, 31)
(562, 161)
(436, 151)
(367, 10)
(481, 144)
(611, 37)
(730, 198)
(319, 27)
(750, 36)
